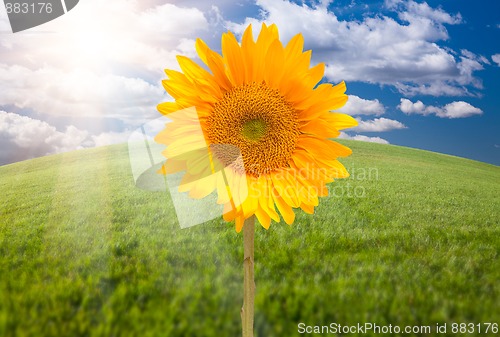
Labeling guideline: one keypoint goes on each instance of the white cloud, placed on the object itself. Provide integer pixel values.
(408, 107)
(168, 18)
(108, 138)
(470, 55)
(103, 61)
(24, 138)
(380, 49)
(438, 88)
(101, 34)
(424, 11)
(359, 106)
(379, 125)
(458, 109)
(496, 59)
(78, 92)
(363, 138)
(104, 58)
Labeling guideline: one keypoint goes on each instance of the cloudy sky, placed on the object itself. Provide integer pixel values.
(418, 74)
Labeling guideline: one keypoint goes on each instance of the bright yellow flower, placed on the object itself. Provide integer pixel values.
(264, 118)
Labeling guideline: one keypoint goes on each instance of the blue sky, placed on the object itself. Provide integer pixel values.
(419, 74)
(474, 137)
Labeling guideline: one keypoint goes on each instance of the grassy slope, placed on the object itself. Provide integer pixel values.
(85, 253)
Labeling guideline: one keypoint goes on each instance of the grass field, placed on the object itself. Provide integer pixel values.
(411, 238)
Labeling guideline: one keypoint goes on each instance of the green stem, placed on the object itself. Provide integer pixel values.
(247, 311)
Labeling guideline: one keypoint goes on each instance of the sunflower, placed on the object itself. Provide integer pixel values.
(255, 127)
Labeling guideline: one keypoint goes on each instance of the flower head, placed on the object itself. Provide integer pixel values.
(260, 132)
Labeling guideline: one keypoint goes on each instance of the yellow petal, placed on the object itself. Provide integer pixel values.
(266, 37)
(202, 187)
(340, 121)
(202, 50)
(176, 76)
(174, 166)
(274, 61)
(215, 63)
(229, 212)
(223, 196)
(294, 47)
(248, 49)
(251, 203)
(233, 57)
(322, 147)
(325, 97)
(284, 189)
(266, 202)
(307, 190)
(297, 68)
(176, 89)
(240, 220)
(168, 107)
(263, 217)
(307, 208)
(201, 77)
(319, 128)
(315, 74)
(285, 210)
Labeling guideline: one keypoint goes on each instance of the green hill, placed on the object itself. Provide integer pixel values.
(411, 238)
